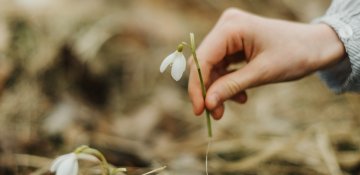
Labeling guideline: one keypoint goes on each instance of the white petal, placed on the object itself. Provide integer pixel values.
(178, 66)
(76, 168)
(167, 61)
(68, 166)
(58, 161)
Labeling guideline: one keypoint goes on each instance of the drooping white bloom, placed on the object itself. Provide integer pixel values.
(177, 61)
(65, 165)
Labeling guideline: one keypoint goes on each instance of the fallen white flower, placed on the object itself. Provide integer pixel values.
(65, 165)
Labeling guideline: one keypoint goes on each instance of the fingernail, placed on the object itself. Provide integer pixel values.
(217, 113)
(243, 98)
(213, 100)
(197, 112)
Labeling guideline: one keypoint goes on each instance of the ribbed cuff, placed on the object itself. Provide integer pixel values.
(344, 18)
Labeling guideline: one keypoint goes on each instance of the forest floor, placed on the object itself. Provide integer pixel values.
(87, 73)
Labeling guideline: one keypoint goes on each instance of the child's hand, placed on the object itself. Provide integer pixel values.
(274, 51)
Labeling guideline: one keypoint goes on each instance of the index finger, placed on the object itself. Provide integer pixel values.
(211, 51)
(224, 39)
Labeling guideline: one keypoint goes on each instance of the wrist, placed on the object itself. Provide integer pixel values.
(326, 43)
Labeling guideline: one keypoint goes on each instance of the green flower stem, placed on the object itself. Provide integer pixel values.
(203, 88)
(115, 171)
(100, 156)
(80, 149)
(107, 169)
(87, 150)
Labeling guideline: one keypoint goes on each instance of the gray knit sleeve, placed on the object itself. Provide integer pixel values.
(344, 17)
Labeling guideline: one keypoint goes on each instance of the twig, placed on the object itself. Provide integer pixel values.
(155, 170)
(31, 160)
(326, 152)
(207, 156)
(273, 149)
(253, 161)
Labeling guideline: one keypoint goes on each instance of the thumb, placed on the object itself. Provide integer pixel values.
(231, 84)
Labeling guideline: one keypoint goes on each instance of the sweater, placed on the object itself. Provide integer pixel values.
(344, 17)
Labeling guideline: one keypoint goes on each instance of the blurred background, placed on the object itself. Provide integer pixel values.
(76, 72)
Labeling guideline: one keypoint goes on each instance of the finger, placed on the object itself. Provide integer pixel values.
(190, 61)
(240, 97)
(218, 112)
(206, 52)
(229, 85)
(235, 58)
(195, 89)
(212, 50)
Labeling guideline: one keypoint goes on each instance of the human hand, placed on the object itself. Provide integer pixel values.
(273, 51)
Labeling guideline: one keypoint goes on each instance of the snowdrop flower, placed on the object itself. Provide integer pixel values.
(65, 165)
(177, 61)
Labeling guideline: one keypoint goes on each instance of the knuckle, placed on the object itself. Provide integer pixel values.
(229, 28)
(232, 87)
(230, 14)
(233, 22)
